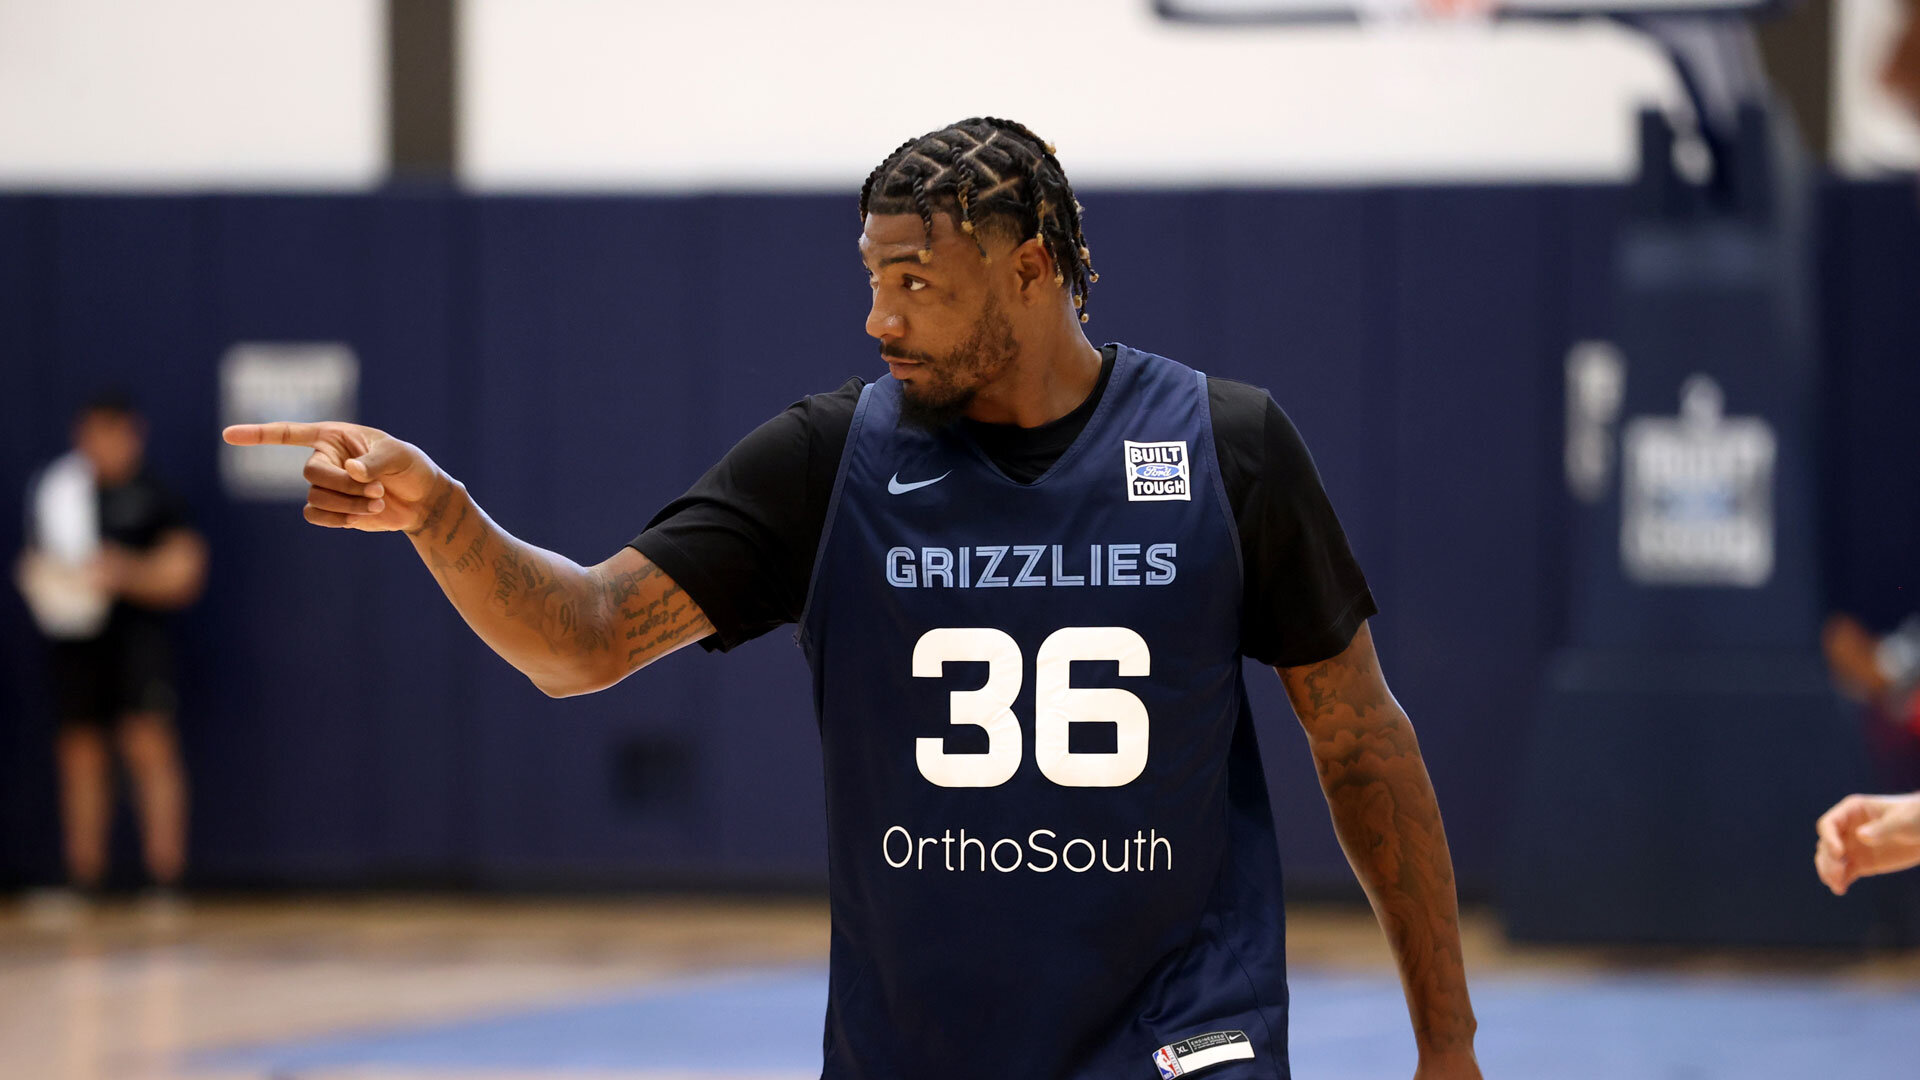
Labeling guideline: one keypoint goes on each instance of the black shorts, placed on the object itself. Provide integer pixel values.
(127, 669)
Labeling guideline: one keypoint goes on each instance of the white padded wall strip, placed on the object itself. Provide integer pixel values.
(192, 93)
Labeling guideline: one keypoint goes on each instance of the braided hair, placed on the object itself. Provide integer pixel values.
(987, 173)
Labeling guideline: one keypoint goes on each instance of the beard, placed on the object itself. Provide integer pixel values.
(948, 384)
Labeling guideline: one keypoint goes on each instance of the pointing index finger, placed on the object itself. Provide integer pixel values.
(278, 433)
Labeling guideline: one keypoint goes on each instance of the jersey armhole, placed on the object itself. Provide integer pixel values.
(800, 635)
(1220, 485)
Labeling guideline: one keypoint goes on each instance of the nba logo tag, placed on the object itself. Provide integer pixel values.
(1169, 1065)
(1158, 471)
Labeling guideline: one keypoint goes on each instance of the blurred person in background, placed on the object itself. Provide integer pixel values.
(1881, 673)
(1863, 835)
(110, 552)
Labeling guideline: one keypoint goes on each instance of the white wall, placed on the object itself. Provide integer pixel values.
(752, 94)
(758, 94)
(192, 93)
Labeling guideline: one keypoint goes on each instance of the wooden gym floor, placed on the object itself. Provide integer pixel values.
(476, 989)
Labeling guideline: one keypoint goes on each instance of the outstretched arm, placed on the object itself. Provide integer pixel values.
(571, 629)
(1388, 821)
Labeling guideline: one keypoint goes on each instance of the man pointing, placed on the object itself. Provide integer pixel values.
(1025, 570)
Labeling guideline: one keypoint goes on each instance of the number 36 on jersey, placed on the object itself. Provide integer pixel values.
(1057, 706)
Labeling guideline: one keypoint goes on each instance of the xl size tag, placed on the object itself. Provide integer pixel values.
(1192, 1055)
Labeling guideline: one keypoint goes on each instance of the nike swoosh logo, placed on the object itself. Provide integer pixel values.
(895, 487)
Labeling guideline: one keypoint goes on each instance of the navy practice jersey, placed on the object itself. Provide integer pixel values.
(1050, 849)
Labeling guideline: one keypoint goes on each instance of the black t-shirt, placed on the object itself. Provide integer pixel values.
(742, 540)
(138, 513)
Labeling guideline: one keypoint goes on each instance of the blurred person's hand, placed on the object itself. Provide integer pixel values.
(112, 568)
(361, 477)
(1865, 835)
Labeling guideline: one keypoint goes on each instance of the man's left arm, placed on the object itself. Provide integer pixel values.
(1388, 821)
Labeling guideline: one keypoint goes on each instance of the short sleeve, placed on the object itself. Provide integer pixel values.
(1304, 593)
(742, 540)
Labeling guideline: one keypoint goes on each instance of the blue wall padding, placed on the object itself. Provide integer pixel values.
(579, 360)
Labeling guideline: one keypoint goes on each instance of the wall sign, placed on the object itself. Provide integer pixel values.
(261, 381)
(1697, 494)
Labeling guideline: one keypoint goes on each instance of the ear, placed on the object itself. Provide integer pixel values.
(1033, 271)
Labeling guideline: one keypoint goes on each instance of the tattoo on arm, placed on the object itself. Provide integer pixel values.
(469, 559)
(465, 507)
(576, 613)
(657, 624)
(1388, 819)
(437, 503)
(560, 610)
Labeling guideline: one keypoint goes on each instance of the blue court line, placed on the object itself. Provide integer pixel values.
(1623, 1027)
(1601, 1027)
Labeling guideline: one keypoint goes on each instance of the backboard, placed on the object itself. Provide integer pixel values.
(1235, 12)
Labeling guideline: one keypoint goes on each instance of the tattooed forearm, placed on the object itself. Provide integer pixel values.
(437, 503)
(442, 557)
(472, 557)
(562, 609)
(1388, 821)
(552, 618)
(465, 507)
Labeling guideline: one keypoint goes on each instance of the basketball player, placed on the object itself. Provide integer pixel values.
(1024, 570)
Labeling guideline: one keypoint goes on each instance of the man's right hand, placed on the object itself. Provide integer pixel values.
(361, 477)
(570, 628)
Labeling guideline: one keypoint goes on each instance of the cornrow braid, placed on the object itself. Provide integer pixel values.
(962, 193)
(1080, 257)
(866, 189)
(925, 205)
(988, 173)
